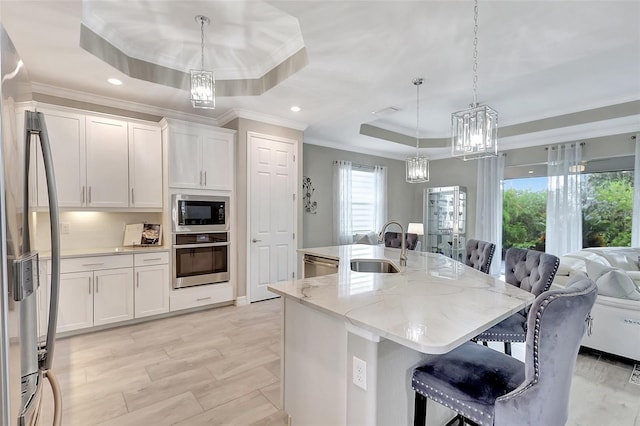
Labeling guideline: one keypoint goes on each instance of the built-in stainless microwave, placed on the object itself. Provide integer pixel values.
(199, 213)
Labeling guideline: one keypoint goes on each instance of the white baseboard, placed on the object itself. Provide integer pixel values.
(241, 301)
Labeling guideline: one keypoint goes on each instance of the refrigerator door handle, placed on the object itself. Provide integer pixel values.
(47, 358)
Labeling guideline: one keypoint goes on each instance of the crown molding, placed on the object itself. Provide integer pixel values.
(234, 113)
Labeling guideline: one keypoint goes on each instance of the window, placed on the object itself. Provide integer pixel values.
(363, 208)
(607, 205)
(360, 204)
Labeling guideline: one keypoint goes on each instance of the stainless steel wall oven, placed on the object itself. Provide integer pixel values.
(200, 258)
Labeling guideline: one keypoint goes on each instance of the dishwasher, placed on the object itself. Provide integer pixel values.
(315, 266)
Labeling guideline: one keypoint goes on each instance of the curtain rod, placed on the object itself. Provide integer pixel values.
(546, 148)
(358, 165)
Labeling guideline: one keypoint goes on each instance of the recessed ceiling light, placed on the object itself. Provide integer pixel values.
(115, 81)
(295, 108)
(530, 172)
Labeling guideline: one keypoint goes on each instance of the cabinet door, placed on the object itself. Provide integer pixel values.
(67, 138)
(75, 305)
(185, 152)
(217, 161)
(107, 163)
(152, 290)
(145, 166)
(113, 296)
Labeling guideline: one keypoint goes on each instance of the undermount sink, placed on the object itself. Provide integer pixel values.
(380, 266)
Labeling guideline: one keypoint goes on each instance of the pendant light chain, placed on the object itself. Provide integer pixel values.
(475, 54)
(417, 82)
(202, 42)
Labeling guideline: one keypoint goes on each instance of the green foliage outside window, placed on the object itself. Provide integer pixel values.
(606, 211)
(607, 205)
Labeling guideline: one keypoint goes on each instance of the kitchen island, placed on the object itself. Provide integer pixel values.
(351, 339)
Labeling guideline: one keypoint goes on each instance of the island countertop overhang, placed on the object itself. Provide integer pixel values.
(432, 305)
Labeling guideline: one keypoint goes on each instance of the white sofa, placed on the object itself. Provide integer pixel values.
(616, 316)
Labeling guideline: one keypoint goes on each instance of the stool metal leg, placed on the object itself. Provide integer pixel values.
(420, 410)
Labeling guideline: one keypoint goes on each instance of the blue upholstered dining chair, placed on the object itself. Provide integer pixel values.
(492, 388)
(479, 255)
(530, 270)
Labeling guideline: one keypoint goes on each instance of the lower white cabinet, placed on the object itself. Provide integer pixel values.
(112, 296)
(151, 284)
(103, 290)
(75, 301)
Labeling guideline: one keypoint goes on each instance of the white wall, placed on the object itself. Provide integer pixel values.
(318, 165)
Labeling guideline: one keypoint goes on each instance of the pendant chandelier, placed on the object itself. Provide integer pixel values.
(203, 84)
(418, 166)
(474, 131)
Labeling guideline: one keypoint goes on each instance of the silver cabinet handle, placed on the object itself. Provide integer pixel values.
(89, 285)
(137, 279)
(255, 241)
(93, 264)
(205, 178)
(83, 195)
(133, 200)
(89, 194)
(97, 286)
(151, 259)
(203, 298)
(200, 177)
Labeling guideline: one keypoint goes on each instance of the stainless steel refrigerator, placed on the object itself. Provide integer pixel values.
(26, 353)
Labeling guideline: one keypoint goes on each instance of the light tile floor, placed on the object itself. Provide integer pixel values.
(222, 367)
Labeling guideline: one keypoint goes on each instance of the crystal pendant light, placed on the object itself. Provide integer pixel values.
(474, 131)
(418, 166)
(203, 84)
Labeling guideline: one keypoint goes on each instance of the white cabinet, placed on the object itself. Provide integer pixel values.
(100, 162)
(113, 296)
(75, 302)
(67, 138)
(201, 157)
(145, 166)
(107, 162)
(95, 291)
(151, 284)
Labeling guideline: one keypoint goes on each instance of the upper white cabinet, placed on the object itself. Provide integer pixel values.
(101, 162)
(67, 138)
(107, 162)
(200, 157)
(145, 166)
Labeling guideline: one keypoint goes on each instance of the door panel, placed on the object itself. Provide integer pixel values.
(145, 166)
(185, 157)
(113, 296)
(272, 184)
(75, 305)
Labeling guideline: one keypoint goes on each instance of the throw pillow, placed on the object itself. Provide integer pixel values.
(613, 282)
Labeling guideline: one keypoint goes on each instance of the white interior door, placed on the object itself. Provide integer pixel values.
(272, 185)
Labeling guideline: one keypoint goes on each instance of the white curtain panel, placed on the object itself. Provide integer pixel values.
(380, 175)
(342, 231)
(564, 201)
(489, 206)
(635, 226)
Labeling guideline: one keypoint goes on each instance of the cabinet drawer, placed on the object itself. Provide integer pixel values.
(185, 298)
(95, 263)
(156, 258)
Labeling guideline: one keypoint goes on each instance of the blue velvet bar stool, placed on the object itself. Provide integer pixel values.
(487, 387)
(530, 270)
(479, 255)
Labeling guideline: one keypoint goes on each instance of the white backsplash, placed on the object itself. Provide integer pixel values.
(90, 230)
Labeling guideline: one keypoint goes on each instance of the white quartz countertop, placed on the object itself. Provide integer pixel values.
(432, 306)
(106, 251)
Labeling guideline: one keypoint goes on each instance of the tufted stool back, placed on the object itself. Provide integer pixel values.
(530, 270)
(394, 239)
(479, 255)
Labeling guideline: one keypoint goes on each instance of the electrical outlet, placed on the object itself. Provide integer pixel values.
(64, 228)
(359, 373)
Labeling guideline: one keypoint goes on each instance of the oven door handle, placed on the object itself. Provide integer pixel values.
(187, 246)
